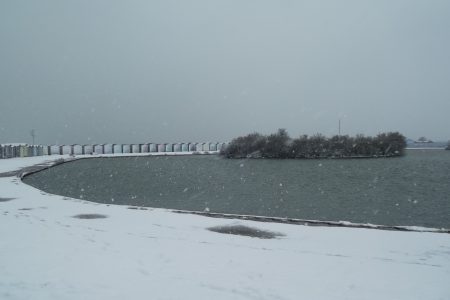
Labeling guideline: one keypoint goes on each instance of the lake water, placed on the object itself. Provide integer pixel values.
(411, 190)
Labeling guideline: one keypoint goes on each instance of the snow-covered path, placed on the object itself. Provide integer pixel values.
(47, 253)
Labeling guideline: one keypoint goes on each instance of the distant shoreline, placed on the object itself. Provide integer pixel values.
(425, 148)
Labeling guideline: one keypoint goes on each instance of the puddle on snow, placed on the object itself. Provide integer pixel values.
(90, 216)
(246, 231)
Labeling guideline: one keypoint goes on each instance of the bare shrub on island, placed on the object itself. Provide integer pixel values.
(280, 145)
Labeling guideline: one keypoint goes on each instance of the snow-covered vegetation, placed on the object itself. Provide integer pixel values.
(280, 145)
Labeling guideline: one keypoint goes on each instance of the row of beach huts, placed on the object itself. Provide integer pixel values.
(25, 150)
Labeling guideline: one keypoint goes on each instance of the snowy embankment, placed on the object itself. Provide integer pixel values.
(52, 247)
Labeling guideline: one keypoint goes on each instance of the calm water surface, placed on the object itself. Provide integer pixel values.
(412, 190)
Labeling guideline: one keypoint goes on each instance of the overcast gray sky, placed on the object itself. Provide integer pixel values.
(210, 70)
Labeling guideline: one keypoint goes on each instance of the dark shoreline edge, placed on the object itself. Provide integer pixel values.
(318, 157)
(346, 224)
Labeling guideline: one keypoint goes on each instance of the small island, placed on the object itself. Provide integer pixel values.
(280, 145)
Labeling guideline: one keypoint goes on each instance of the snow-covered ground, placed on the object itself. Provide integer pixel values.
(47, 253)
(14, 164)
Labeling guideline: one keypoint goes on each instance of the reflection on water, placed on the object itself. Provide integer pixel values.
(412, 190)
